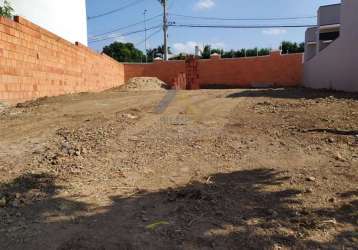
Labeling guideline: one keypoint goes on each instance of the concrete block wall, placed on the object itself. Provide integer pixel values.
(276, 70)
(36, 63)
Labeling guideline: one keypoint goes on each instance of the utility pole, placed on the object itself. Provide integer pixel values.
(145, 35)
(165, 28)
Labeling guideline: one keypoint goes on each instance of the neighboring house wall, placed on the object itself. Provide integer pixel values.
(65, 18)
(335, 67)
(329, 14)
(275, 70)
(310, 43)
(36, 63)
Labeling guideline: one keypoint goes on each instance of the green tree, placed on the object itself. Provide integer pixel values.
(264, 52)
(180, 56)
(240, 53)
(124, 52)
(217, 51)
(156, 52)
(252, 52)
(289, 47)
(206, 52)
(301, 48)
(229, 54)
(6, 10)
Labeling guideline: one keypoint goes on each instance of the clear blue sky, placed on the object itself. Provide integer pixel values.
(183, 39)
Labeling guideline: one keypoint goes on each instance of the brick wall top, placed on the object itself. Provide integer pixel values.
(35, 62)
(277, 69)
(272, 54)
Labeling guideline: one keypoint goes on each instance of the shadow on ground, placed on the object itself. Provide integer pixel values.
(294, 93)
(246, 209)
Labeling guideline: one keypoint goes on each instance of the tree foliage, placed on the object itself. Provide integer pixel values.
(208, 51)
(124, 52)
(286, 47)
(127, 52)
(156, 52)
(6, 10)
(180, 56)
(289, 47)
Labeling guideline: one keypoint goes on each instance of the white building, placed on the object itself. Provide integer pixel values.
(65, 18)
(331, 55)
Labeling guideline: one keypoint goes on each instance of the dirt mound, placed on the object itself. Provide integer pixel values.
(2, 106)
(144, 83)
(32, 103)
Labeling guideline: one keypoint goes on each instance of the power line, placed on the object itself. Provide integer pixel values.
(239, 26)
(126, 27)
(124, 34)
(118, 34)
(149, 37)
(115, 10)
(243, 19)
(111, 36)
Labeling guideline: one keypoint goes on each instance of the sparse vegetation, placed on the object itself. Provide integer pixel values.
(6, 10)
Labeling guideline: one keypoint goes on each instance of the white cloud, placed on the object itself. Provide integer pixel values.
(218, 45)
(121, 39)
(204, 4)
(274, 31)
(189, 47)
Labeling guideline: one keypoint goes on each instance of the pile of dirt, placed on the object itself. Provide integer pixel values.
(2, 106)
(144, 83)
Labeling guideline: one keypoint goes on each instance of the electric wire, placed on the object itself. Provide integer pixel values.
(115, 10)
(124, 34)
(243, 19)
(149, 37)
(125, 27)
(239, 26)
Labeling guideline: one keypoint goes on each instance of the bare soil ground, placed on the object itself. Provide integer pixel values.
(214, 169)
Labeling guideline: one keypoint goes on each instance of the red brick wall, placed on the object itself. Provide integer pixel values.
(277, 70)
(35, 63)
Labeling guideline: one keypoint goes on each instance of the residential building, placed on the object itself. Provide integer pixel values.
(65, 18)
(331, 55)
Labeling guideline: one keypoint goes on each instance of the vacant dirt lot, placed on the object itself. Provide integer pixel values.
(214, 169)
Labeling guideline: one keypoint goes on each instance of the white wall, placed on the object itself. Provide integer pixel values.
(335, 67)
(65, 18)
